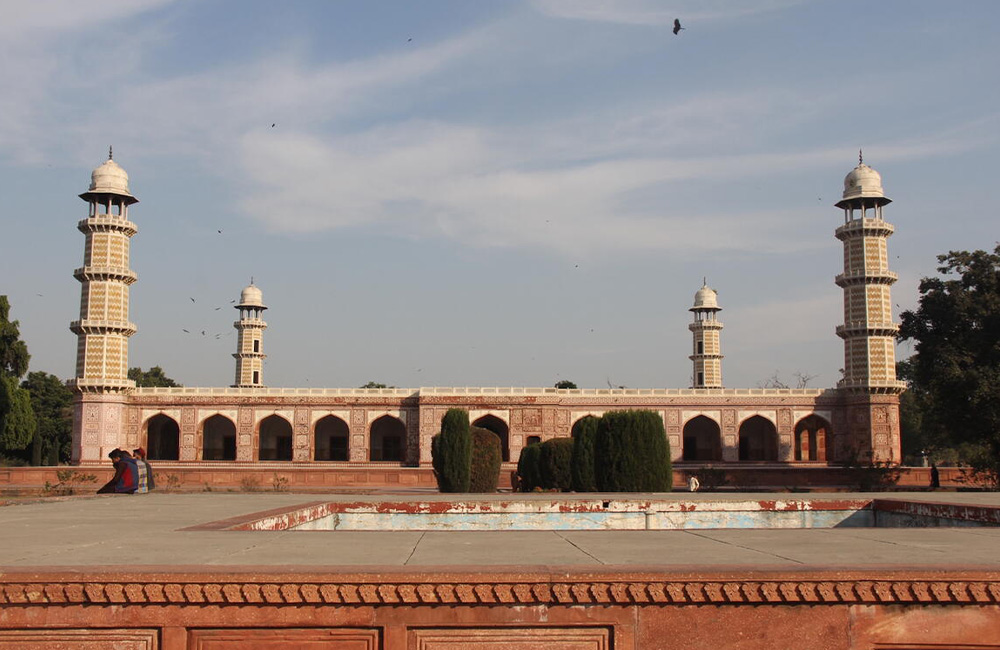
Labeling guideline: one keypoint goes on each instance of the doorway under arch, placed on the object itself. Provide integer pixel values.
(275, 438)
(811, 434)
(331, 437)
(387, 438)
(702, 440)
(499, 427)
(163, 437)
(758, 439)
(218, 435)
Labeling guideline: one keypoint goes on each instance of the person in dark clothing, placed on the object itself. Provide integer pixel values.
(935, 476)
(125, 480)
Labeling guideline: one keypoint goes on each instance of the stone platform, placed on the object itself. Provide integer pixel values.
(161, 571)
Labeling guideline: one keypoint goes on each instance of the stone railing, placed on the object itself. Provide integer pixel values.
(514, 391)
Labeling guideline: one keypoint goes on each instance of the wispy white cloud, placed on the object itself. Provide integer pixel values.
(659, 12)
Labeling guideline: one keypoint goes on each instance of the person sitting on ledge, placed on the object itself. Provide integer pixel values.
(125, 480)
(146, 482)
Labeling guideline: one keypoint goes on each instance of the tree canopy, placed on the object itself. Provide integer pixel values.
(14, 355)
(52, 403)
(954, 372)
(152, 378)
(17, 421)
(565, 383)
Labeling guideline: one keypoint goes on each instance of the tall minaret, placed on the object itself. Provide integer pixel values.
(250, 329)
(104, 329)
(706, 328)
(868, 331)
(101, 383)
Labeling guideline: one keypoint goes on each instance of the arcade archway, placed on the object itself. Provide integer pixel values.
(275, 438)
(388, 437)
(702, 440)
(758, 439)
(218, 435)
(811, 434)
(331, 437)
(162, 438)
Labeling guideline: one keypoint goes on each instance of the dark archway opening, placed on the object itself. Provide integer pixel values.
(218, 437)
(811, 434)
(388, 437)
(332, 435)
(758, 439)
(702, 440)
(499, 427)
(162, 438)
(275, 438)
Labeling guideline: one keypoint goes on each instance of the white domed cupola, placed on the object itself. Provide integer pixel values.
(863, 188)
(109, 179)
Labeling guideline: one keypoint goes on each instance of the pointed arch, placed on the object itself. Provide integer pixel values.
(702, 439)
(275, 436)
(163, 436)
(387, 438)
(218, 435)
(331, 435)
(811, 434)
(499, 427)
(758, 439)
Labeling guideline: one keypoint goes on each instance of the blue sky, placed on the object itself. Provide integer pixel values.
(489, 193)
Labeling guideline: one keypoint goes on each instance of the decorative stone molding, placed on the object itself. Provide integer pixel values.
(496, 589)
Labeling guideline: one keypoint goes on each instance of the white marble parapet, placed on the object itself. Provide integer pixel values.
(441, 391)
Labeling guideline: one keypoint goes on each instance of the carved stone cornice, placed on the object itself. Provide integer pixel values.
(428, 588)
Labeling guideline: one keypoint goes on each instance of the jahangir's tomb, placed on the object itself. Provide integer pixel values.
(249, 424)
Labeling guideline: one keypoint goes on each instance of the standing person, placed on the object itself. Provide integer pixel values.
(693, 484)
(125, 480)
(140, 459)
(935, 477)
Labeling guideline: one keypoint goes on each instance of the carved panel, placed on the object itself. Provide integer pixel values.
(531, 420)
(284, 639)
(511, 638)
(78, 639)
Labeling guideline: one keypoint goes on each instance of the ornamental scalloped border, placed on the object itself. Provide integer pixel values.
(297, 593)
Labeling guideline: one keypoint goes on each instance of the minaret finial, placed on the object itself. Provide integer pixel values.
(110, 153)
(251, 279)
(861, 158)
(704, 280)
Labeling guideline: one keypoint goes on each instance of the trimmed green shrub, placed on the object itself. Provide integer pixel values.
(554, 464)
(582, 464)
(484, 473)
(632, 453)
(528, 467)
(452, 453)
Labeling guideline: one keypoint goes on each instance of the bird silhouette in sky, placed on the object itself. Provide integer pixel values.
(677, 26)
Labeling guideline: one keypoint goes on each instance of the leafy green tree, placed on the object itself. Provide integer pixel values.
(956, 362)
(374, 384)
(52, 403)
(152, 378)
(17, 421)
(565, 383)
(14, 355)
(452, 452)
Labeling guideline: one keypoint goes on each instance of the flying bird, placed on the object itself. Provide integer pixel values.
(192, 299)
(677, 26)
(273, 124)
(184, 330)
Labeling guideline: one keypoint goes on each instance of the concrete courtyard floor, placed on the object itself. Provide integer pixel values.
(133, 531)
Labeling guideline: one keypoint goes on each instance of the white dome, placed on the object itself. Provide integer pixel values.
(109, 178)
(706, 298)
(863, 182)
(252, 297)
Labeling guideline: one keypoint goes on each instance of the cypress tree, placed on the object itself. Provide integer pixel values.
(582, 465)
(554, 464)
(528, 467)
(484, 473)
(455, 451)
(632, 453)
